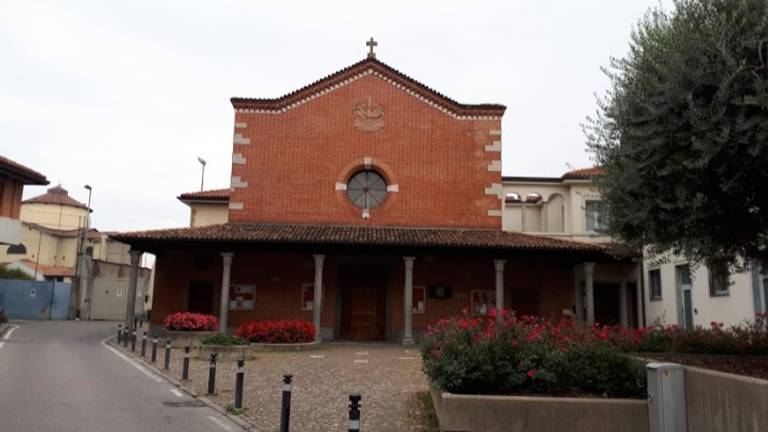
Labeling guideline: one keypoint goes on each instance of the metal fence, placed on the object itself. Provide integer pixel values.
(34, 300)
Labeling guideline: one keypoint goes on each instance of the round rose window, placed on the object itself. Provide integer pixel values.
(367, 189)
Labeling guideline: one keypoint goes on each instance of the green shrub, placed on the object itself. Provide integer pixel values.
(223, 339)
(3, 318)
(528, 356)
(6, 273)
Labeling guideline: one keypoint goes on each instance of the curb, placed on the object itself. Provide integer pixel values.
(245, 424)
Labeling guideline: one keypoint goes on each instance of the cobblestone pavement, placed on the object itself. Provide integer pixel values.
(386, 375)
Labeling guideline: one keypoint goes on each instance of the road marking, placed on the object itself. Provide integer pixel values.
(176, 392)
(316, 356)
(220, 423)
(131, 361)
(360, 361)
(7, 335)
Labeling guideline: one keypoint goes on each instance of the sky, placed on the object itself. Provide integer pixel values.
(124, 96)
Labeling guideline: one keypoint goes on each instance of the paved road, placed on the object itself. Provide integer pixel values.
(58, 376)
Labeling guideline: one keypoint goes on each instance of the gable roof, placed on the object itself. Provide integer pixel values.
(583, 173)
(215, 195)
(56, 195)
(358, 70)
(19, 171)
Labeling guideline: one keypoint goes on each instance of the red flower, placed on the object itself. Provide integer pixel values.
(277, 331)
(532, 373)
(190, 321)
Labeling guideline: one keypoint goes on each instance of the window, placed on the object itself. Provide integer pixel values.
(307, 296)
(719, 279)
(483, 302)
(367, 189)
(419, 299)
(654, 282)
(595, 213)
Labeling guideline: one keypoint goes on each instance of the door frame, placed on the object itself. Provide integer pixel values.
(680, 290)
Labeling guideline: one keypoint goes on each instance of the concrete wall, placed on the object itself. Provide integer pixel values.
(10, 231)
(202, 214)
(478, 413)
(721, 402)
(732, 309)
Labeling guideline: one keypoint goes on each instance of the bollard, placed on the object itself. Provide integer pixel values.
(239, 384)
(285, 415)
(185, 365)
(133, 341)
(354, 413)
(119, 333)
(167, 355)
(126, 336)
(144, 344)
(154, 349)
(212, 374)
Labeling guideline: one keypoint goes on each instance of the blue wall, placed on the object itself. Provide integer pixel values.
(34, 300)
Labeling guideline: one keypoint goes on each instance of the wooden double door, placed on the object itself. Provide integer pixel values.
(363, 296)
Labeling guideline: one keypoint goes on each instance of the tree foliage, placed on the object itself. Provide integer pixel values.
(6, 273)
(682, 134)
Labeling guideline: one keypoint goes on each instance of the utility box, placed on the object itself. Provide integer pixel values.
(666, 398)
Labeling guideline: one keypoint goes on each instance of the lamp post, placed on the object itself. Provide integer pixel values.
(81, 283)
(202, 177)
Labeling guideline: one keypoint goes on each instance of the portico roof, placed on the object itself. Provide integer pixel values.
(353, 235)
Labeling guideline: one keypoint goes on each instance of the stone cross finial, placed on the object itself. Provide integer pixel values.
(371, 44)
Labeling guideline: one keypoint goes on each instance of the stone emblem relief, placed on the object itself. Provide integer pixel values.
(369, 117)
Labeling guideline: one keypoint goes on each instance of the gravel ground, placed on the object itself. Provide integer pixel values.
(386, 375)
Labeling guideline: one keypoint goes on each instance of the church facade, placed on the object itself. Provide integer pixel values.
(371, 205)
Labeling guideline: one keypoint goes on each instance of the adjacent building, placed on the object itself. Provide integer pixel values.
(371, 205)
(13, 178)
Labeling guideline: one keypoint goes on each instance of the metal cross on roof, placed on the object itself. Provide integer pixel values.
(371, 44)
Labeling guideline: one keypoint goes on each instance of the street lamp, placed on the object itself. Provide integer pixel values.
(202, 177)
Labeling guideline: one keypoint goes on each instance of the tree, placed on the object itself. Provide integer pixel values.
(682, 134)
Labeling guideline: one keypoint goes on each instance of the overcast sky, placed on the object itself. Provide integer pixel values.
(125, 95)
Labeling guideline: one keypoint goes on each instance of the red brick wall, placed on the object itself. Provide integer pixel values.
(295, 158)
(278, 278)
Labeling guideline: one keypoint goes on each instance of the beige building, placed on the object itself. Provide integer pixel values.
(569, 207)
(209, 207)
(13, 178)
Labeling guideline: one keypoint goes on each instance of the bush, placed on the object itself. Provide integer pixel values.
(277, 331)
(528, 356)
(223, 339)
(6, 273)
(190, 321)
(3, 318)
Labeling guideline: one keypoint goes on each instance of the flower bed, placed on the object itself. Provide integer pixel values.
(528, 356)
(277, 331)
(190, 321)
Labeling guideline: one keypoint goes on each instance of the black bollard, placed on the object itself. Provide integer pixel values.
(126, 336)
(144, 344)
(239, 384)
(119, 333)
(133, 341)
(167, 355)
(212, 374)
(285, 414)
(154, 349)
(185, 365)
(354, 413)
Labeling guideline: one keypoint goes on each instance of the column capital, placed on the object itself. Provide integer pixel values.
(227, 257)
(589, 268)
(499, 264)
(408, 260)
(319, 258)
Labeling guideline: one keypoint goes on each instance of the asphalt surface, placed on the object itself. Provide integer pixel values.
(59, 376)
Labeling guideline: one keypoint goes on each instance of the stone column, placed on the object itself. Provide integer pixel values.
(226, 272)
(133, 281)
(623, 312)
(639, 292)
(578, 298)
(317, 301)
(408, 301)
(589, 273)
(499, 265)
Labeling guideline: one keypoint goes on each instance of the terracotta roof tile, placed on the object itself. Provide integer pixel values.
(583, 173)
(56, 195)
(207, 195)
(357, 235)
(391, 73)
(49, 270)
(26, 175)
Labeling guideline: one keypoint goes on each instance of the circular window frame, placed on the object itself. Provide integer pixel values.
(371, 187)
